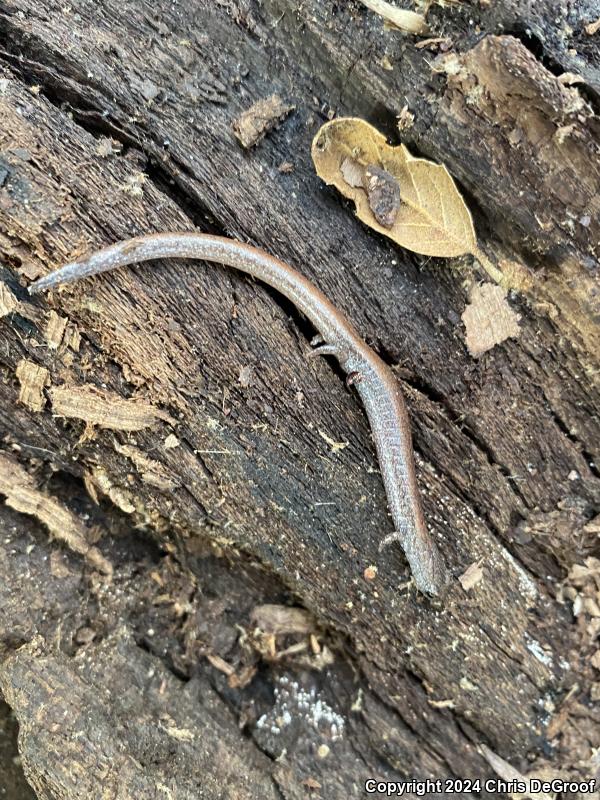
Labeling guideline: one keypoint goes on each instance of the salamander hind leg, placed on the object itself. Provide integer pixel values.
(352, 378)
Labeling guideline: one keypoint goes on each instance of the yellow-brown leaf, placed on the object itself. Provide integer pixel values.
(432, 218)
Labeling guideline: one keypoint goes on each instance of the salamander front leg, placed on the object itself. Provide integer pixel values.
(389, 539)
(324, 350)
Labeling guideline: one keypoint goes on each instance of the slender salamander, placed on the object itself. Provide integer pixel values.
(374, 381)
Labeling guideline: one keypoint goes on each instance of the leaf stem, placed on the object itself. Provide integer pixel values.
(491, 269)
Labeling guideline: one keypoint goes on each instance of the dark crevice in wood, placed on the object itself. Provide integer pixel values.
(534, 44)
(14, 786)
(171, 183)
(31, 71)
(536, 47)
(411, 676)
(564, 429)
(146, 645)
(68, 97)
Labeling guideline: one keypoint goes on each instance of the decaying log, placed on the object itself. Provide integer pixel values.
(173, 409)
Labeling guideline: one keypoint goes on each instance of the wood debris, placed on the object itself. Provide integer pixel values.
(220, 664)
(134, 183)
(72, 338)
(335, 446)
(282, 633)
(311, 783)
(488, 319)
(246, 376)
(381, 187)
(383, 192)
(33, 379)
(171, 441)
(241, 679)
(98, 480)
(104, 409)
(582, 590)
(150, 470)
(58, 567)
(352, 172)
(510, 774)
(251, 126)
(107, 147)
(8, 302)
(406, 119)
(277, 619)
(593, 27)
(441, 42)
(398, 18)
(471, 576)
(21, 493)
(55, 329)
(570, 79)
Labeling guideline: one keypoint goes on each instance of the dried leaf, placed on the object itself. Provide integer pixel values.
(488, 319)
(432, 218)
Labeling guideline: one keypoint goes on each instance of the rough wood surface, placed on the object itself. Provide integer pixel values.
(117, 119)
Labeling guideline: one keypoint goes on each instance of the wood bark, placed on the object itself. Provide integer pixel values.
(223, 487)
